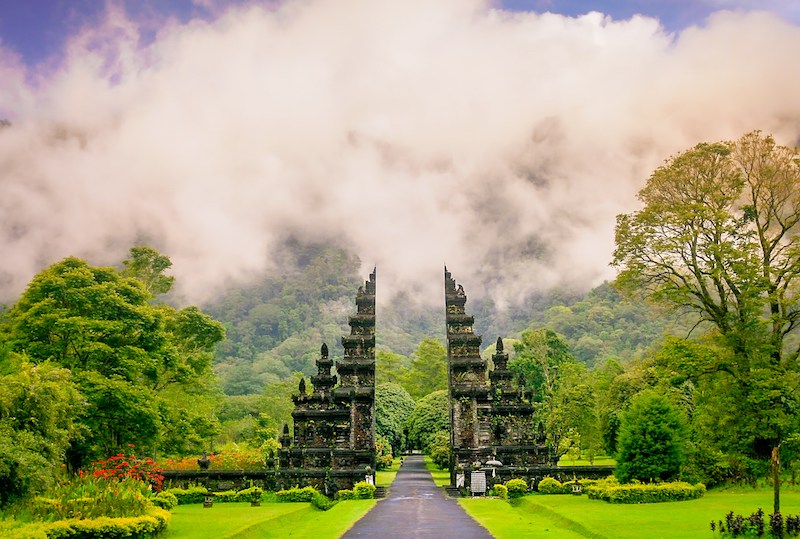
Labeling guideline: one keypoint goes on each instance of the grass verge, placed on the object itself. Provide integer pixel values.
(577, 516)
(440, 477)
(240, 521)
(384, 478)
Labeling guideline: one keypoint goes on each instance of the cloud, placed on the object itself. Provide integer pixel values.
(415, 133)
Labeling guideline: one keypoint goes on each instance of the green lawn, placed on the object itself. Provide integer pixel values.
(440, 477)
(577, 516)
(384, 478)
(240, 521)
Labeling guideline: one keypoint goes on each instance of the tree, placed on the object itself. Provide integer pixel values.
(137, 364)
(718, 237)
(393, 406)
(650, 440)
(430, 416)
(428, 370)
(390, 367)
(148, 266)
(39, 405)
(541, 364)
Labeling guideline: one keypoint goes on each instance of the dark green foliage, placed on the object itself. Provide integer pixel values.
(393, 406)
(651, 440)
(439, 449)
(39, 406)
(192, 494)
(429, 417)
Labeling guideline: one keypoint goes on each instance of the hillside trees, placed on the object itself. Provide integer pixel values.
(428, 370)
(718, 237)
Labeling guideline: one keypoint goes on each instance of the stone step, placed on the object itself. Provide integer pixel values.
(452, 491)
(380, 492)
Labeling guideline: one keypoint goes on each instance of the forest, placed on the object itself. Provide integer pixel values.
(696, 341)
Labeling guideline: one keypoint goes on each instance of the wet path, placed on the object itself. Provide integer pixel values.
(417, 509)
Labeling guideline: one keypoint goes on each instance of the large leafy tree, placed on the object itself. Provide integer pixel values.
(393, 406)
(651, 439)
(428, 371)
(430, 416)
(39, 405)
(718, 237)
(142, 367)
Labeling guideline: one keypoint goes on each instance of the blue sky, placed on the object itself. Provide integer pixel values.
(37, 29)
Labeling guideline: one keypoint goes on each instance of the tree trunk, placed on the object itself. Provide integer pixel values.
(776, 479)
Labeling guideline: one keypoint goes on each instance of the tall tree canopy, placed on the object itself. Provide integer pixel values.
(718, 237)
(142, 368)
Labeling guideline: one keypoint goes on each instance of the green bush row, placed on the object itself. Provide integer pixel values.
(154, 521)
(360, 491)
(195, 494)
(501, 491)
(646, 493)
(551, 485)
(516, 488)
(322, 502)
(305, 494)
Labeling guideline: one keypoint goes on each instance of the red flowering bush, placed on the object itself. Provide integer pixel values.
(122, 466)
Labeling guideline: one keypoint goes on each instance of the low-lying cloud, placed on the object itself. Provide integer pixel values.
(415, 133)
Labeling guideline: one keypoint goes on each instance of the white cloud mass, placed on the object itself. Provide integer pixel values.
(414, 133)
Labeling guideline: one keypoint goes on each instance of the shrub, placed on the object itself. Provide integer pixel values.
(516, 488)
(501, 491)
(383, 450)
(646, 493)
(550, 485)
(363, 491)
(244, 495)
(296, 494)
(345, 494)
(322, 502)
(439, 449)
(165, 500)
(145, 526)
(193, 494)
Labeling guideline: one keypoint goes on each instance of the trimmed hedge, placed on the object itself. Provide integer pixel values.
(363, 491)
(305, 494)
(322, 502)
(193, 494)
(244, 495)
(550, 485)
(154, 521)
(165, 500)
(646, 493)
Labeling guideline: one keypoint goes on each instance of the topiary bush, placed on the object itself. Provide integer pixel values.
(516, 488)
(550, 485)
(501, 491)
(363, 491)
(345, 494)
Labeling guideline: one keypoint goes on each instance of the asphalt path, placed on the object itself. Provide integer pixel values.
(416, 509)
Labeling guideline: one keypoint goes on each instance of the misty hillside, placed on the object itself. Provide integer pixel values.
(276, 325)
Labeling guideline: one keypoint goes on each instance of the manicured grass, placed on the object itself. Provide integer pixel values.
(562, 515)
(384, 478)
(440, 477)
(240, 521)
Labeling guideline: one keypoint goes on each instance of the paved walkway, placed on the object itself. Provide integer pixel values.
(416, 509)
